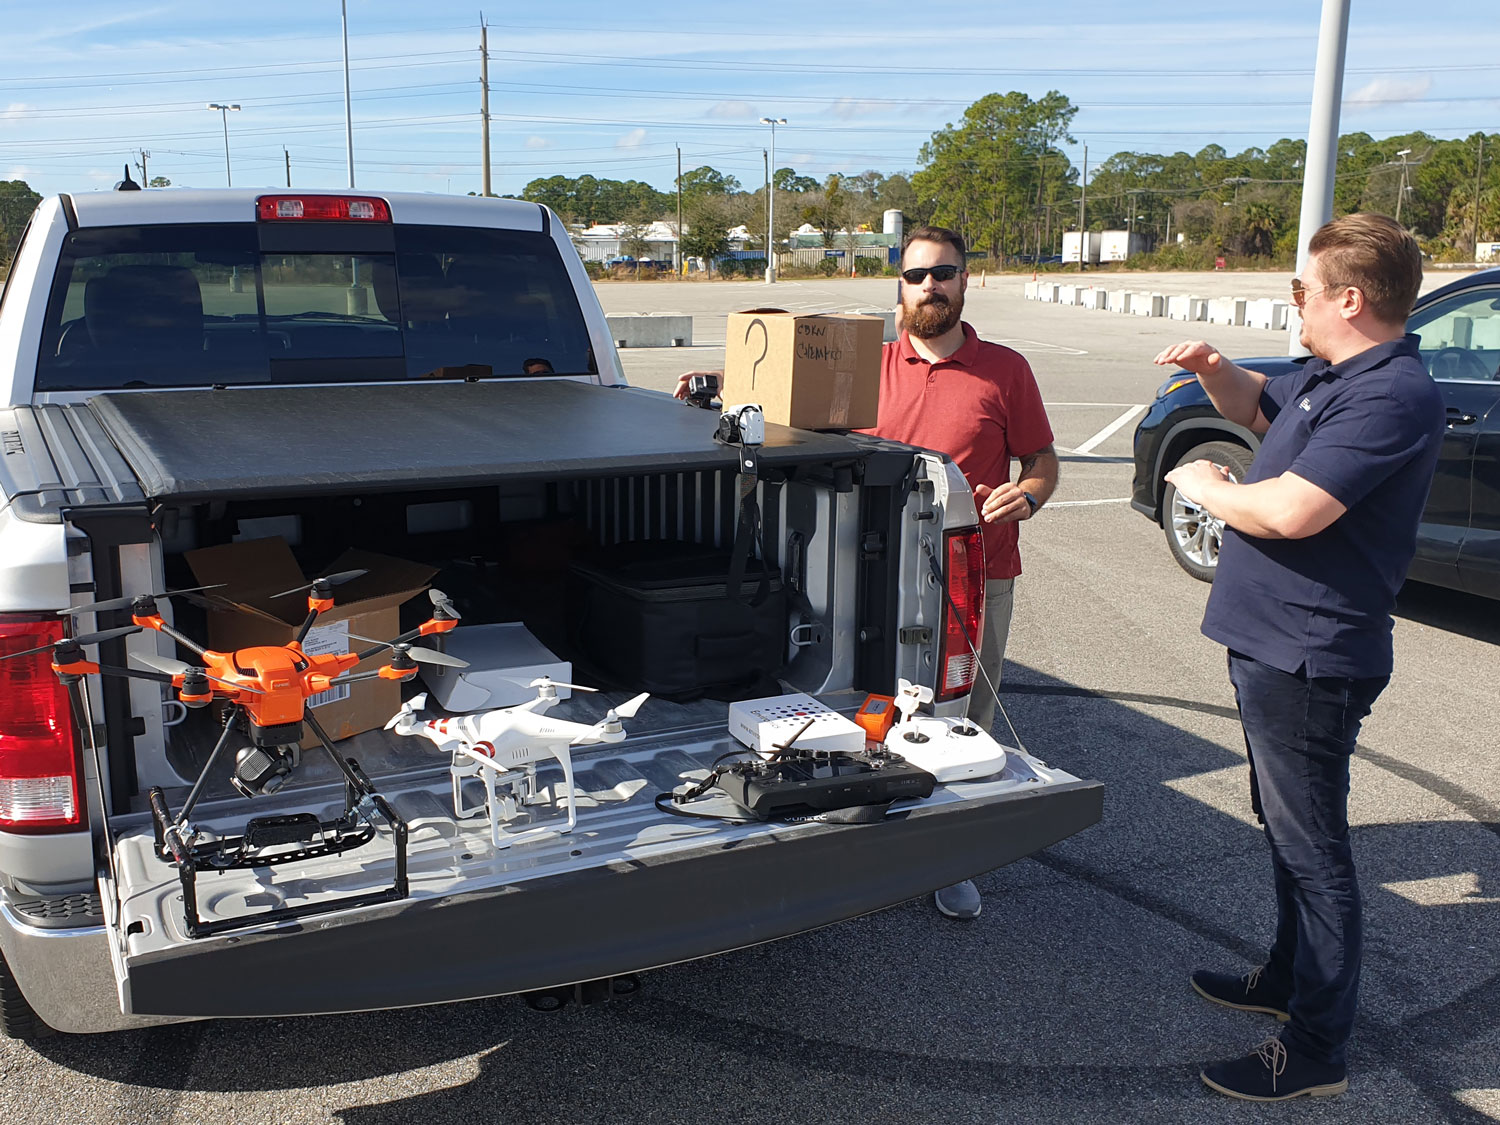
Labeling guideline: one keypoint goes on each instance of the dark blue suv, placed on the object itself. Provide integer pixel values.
(1458, 544)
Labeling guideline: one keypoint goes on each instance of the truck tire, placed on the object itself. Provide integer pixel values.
(18, 1019)
(1194, 536)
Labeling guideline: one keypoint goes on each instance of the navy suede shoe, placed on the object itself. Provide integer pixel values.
(1247, 993)
(1273, 1074)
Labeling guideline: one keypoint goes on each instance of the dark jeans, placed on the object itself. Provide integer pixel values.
(1300, 732)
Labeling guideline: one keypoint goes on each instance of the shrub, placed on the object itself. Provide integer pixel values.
(828, 266)
(868, 267)
(595, 270)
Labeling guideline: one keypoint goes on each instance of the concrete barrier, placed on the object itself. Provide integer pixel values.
(1147, 304)
(1031, 290)
(1119, 300)
(659, 330)
(1092, 298)
(1067, 295)
(1047, 292)
(887, 315)
(1187, 308)
(1265, 312)
(1227, 310)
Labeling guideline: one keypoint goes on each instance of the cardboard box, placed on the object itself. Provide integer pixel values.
(503, 659)
(815, 372)
(245, 614)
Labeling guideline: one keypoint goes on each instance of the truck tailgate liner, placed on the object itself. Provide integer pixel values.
(744, 886)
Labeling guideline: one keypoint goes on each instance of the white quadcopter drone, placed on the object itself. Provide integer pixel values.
(503, 748)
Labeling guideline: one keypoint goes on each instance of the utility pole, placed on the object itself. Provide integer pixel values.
(1322, 142)
(1083, 230)
(348, 105)
(147, 183)
(288, 157)
(1401, 195)
(484, 102)
(679, 211)
(1479, 170)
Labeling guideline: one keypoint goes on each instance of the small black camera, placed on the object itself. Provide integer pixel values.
(702, 390)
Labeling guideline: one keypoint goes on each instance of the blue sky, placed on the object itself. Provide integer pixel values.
(610, 89)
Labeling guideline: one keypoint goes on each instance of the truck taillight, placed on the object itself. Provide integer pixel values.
(40, 765)
(958, 662)
(322, 208)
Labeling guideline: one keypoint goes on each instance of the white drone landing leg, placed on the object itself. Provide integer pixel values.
(503, 807)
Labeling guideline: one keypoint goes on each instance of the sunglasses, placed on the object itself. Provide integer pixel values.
(1300, 292)
(939, 273)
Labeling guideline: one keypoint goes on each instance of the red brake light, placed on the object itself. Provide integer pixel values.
(965, 577)
(40, 774)
(322, 208)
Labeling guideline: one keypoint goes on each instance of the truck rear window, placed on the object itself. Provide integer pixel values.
(197, 305)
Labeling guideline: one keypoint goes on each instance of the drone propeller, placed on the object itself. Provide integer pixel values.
(411, 706)
(332, 579)
(628, 709)
(85, 639)
(443, 604)
(547, 681)
(174, 667)
(420, 655)
(128, 601)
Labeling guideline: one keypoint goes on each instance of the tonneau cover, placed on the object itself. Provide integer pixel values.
(250, 442)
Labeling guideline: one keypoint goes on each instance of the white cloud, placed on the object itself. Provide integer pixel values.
(734, 111)
(631, 139)
(538, 142)
(1388, 91)
(849, 108)
(15, 111)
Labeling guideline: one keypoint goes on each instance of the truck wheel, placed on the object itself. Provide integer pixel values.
(1194, 536)
(17, 1018)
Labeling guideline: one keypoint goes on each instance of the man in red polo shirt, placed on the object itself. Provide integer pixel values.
(943, 388)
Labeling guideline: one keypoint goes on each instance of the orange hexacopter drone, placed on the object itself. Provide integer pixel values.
(266, 689)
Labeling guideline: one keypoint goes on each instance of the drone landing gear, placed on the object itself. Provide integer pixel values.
(586, 993)
(271, 840)
(507, 792)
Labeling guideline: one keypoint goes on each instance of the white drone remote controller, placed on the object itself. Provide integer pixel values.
(949, 749)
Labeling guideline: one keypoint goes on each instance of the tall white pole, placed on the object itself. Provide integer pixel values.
(348, 110)
(771, 201)
(1322, 143)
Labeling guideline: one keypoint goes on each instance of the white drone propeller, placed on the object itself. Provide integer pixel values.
(910, 696)
(414, 704)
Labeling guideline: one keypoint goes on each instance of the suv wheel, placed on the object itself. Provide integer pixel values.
(1193, 535)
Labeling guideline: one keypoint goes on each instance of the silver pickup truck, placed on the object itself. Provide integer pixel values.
(431, 378)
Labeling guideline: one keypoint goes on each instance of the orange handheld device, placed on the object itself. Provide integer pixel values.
(876, 716)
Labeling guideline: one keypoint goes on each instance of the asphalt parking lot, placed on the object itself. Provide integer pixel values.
(1067, 999)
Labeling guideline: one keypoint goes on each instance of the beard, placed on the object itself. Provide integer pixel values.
(933, 316)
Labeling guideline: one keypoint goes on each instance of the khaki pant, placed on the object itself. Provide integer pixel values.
(999, 600)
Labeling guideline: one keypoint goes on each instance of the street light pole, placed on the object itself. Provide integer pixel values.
(771, 202)
(1322, 141)
(224, 109)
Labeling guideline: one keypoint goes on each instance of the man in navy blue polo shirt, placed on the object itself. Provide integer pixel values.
(1318, 538)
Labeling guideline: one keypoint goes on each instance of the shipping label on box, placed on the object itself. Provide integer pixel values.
(814, 372)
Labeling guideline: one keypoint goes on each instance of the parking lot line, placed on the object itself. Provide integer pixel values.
(1088, 446)
(1087, 503)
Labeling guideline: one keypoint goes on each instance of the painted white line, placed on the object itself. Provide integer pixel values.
(1039, 344)
(1088, 446)
(1087, 503)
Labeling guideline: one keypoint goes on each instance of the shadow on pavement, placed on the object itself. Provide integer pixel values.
(1066, 1000)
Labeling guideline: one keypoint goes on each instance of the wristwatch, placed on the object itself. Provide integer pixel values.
(1032, 500)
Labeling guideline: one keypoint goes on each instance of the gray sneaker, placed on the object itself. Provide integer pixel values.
(959, 901)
